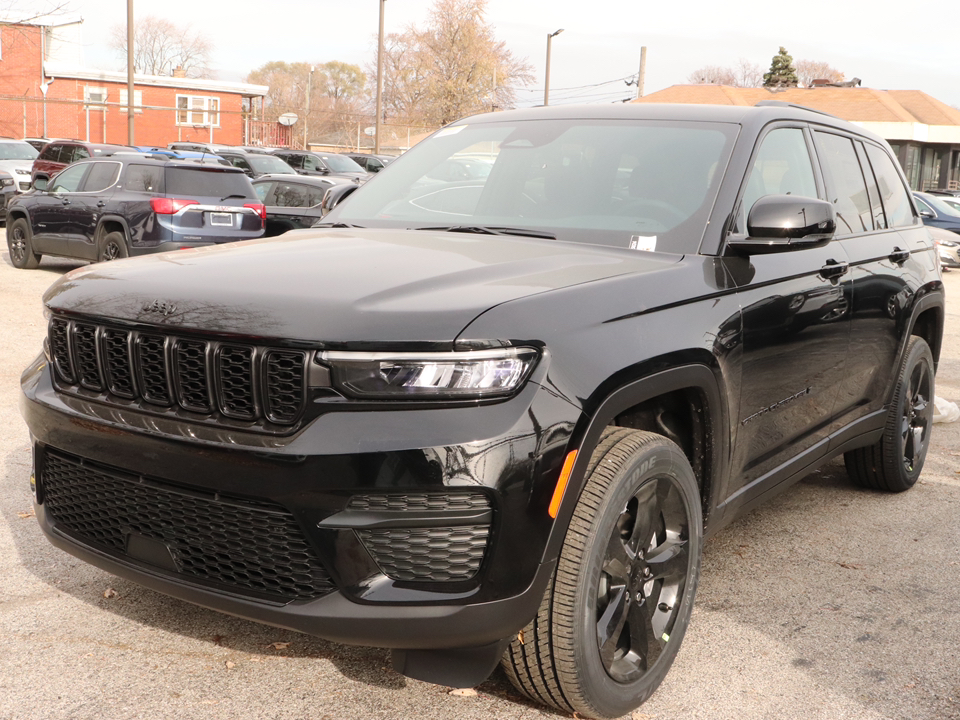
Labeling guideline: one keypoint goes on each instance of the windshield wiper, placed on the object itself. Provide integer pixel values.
(227, 197)
(335, 225)
(492, 230)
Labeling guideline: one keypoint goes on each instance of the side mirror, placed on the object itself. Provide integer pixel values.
(927, 214)
(40, 183)
(336, 195)
(786, 222)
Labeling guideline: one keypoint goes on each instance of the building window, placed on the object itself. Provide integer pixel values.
(93, 95)
(198, 110)
(137, 100)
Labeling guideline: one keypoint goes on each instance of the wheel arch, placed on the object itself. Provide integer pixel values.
(641, 404)
(109, 224)
(19, 214)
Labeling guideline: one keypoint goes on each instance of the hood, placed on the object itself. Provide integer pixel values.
(17, 168)
(339, 288)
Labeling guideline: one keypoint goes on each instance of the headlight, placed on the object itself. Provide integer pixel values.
(6, 181)
(424, 376)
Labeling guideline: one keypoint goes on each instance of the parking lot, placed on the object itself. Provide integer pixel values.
(829, 602)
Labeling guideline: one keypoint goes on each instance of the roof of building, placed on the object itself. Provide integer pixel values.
(856, 104)
(81, 73)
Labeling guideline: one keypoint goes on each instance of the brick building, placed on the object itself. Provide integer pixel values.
(923, 132)
(45, 91)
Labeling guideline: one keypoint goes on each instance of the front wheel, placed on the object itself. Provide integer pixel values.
(620, 601)
(894, 463)
(20, 246)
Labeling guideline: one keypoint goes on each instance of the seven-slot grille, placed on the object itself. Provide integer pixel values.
(251, 548)
(241, 382)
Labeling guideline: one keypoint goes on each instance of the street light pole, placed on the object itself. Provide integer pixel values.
(546, 80)
(376, 140)
(306, 116)
(130, 112)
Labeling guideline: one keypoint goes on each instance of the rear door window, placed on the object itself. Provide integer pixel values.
(893, 195)
(144, 179)
(101, 176)
(846, 187)
(51, 153)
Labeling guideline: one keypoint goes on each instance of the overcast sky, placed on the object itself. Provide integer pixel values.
(601, 40)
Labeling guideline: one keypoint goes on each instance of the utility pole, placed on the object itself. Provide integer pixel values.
(643, 71)
(130, 112)
(376, 140)
(306, 116)
(546, 79)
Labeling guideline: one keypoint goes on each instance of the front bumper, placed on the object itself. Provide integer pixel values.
(310, 475)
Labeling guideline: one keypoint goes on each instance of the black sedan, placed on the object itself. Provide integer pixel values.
(293, 201)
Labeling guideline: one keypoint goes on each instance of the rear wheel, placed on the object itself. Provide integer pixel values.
(113, 246)
(894, 463)
(21, 246)
(617, 608)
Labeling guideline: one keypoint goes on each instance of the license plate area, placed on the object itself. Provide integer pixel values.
(221, 219)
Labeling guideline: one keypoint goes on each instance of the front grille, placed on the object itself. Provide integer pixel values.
(165, 372)
(24, 186)
(440, 554)
(401, 502)
(253, 549)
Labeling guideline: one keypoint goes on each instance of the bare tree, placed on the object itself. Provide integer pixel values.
(747, 74)
(810, 70)
(452, 67)
(713, 75)
(160, 47)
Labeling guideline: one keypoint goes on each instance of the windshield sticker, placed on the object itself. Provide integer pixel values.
(647, 243)
(450, 131)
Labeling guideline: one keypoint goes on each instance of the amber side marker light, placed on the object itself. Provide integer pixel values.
(562, 484)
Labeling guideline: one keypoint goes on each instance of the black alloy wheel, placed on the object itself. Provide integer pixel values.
(113, 246)
(619, 602)
(894, 463)
(20, 246)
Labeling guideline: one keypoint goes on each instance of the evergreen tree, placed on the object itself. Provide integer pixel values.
(782, 73)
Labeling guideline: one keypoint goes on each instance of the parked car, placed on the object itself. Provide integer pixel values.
(952, 202)
(370, 162)
(313, 163)
(256, 164)
(936, 212)
(131, 204)
(57, 154)
(499, 427)
(36, 143)
(293, 201)
(948, 247)
(16, 161)
(200, 147)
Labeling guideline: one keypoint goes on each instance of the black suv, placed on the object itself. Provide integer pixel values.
(493, 421)
(132, 204)
(256, 164)
(313, 163)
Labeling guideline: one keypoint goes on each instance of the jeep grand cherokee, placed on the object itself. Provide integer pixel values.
(493, 420)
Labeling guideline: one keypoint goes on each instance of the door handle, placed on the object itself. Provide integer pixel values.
(66, 201)
(101, 204)
(899, 256)
(832, 270)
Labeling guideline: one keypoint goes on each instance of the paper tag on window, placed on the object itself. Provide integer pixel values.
(647, 243)
(449, 131)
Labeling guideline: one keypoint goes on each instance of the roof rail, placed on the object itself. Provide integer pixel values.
(795, 106)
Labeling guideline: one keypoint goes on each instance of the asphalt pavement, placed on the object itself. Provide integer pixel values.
(830, 602)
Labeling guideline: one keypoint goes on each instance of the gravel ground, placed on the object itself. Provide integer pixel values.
(829, 602)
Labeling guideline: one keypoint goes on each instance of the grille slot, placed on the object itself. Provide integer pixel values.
(257, 549)
(284, 396)
(60, 349)
(440, 554)
(152, 361)
(85, 355)
(116, 348)
(400, 502)
(235, 365)
(168, 373)
(191, 361)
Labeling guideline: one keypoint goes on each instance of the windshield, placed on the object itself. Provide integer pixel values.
(341, 163)
(269, 164)
(17, 151)
(641, 184)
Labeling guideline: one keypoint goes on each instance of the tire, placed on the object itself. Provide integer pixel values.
(596, 648)
(113, 246)
(894, 463)
(20, 245)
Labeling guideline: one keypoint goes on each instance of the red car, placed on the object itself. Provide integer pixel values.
(57, 154)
